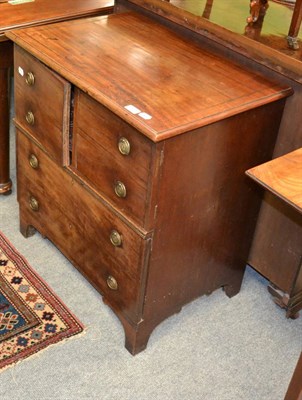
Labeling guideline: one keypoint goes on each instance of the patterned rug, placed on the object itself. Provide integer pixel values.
(31, 315)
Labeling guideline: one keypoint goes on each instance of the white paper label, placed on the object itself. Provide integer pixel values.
(14, 2)
(20, 70)
(145, 115)
(132, 109)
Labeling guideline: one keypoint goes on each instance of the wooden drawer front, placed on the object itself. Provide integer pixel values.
(96, 156)
(42, 104)
(81, 226)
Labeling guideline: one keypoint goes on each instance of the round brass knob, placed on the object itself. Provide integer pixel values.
(30, 118)
(124, 146)
(33, 161)
(116, 238)
(30, 79)
(120, 189)
(112, 283)
(34, 204)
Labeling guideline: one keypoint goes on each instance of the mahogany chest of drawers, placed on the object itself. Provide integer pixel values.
(131, 160)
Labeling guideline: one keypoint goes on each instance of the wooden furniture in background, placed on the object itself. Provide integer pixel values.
(295, 26)
(294, 391)
(6, 61)
(283, 177)
(257, 8)
(13, 16)
(146, 194)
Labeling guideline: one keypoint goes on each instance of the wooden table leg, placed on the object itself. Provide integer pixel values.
(293, 32)
(294, 391)
(6, 60)
(208, 9)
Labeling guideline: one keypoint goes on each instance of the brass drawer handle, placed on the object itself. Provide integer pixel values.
(120, 189)
(33, 161)
(34, 204)
(116, 238)
(30, 79)
(124, 146)
(30, 118)
(112, 283)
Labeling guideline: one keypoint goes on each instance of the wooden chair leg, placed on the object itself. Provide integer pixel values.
(293, 32)
(294, 391)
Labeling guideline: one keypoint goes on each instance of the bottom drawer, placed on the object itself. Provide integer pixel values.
(118, 276)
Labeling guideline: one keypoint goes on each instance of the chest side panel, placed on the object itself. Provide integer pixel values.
(207, 207)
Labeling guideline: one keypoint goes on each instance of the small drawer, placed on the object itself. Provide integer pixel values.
(42, 101)
(105, 249)
(112, 156)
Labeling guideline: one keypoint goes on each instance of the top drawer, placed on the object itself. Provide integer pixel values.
(42, 104)
(112, 157)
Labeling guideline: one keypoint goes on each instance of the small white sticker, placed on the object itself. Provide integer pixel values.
(145, 115)
(20, 70)
(132, 109)
(14, 2)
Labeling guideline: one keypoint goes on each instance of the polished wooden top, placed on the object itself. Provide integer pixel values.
(159, 82)
(224, 22)
(38, 12)
(283, 177)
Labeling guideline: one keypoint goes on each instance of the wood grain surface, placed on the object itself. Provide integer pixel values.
(283, 177)
(217, 119)
(271, 51)
(133, 60)
(54, 115)
(294, 391)
(40, 12)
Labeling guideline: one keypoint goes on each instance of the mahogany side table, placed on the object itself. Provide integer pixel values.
(283, 177)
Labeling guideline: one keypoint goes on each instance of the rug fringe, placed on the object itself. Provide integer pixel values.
(38, 353)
